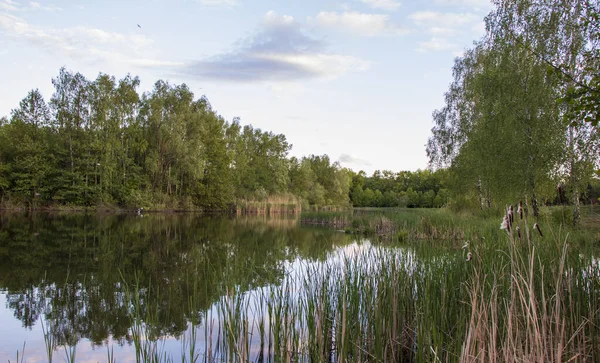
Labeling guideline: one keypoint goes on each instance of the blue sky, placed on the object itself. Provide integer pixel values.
(354, 79)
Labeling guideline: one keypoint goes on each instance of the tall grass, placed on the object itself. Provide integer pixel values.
(440, 224)
(519, 299)
(49, 339)
(149, 346)
(366, 307)
(533, 306)
(401, 224)
(273, 204)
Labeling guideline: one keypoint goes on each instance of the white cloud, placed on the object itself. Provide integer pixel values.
(477, 4)
(443, 25)
(280, 51)
(325, 65)
(34, 5)
(449, 20)
(382, 4)
(353, 161)
(218, 2)
(90, 45)
(13, 6)
(358, 23)
(442, 31)
(436, 44)
(8, 5)
(272, 19)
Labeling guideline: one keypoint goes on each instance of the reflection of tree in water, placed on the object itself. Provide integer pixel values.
(27, 305)
(76, 270)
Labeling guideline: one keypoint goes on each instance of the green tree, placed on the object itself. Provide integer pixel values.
(216, 185)
(503, 102)
(564, 36)
(113, 113)
(70, 105)
(302, 179)
(26, 150)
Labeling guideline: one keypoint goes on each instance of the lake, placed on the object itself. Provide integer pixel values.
(70, 271)
(162, 287)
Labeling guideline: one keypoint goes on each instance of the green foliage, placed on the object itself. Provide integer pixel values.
(215, 189)
(421, 189)
(99, 143)
(581, 95)
(501, 131)
(259, 161)
(320, 182)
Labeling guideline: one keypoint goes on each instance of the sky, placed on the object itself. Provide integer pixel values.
(357, 80)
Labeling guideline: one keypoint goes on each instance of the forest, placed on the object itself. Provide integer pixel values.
(101, 144)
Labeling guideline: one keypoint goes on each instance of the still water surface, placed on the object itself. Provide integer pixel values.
(95, 285)
(68, 275)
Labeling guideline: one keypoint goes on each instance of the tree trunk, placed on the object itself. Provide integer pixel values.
(480, 193)
(576, 208)
(534, 205)
(71, 157)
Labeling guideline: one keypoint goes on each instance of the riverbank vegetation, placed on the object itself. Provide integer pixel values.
(513, 301)
(406, 225)
(99, 144)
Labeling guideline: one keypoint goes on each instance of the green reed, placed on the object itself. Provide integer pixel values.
(20, 354)
(409, 225)
(70, 353)
(49, 340)
(110, 355)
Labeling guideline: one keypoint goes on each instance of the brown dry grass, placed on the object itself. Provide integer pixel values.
(532, 322)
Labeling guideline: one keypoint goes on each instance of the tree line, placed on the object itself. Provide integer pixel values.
(418, 189)
(100, 143)
(520, 120)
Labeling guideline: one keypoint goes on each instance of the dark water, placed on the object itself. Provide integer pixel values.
(68, 275)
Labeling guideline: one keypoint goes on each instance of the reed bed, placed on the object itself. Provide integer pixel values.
(270, 205)
(440, 224)
(518, 299)
(537, 303)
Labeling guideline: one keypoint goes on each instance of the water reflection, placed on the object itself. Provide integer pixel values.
(246, 287)
(74, 270)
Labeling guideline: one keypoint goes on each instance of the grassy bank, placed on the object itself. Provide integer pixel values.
(440, 224)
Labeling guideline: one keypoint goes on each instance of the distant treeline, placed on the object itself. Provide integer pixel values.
(101, 143)
(422, 188)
